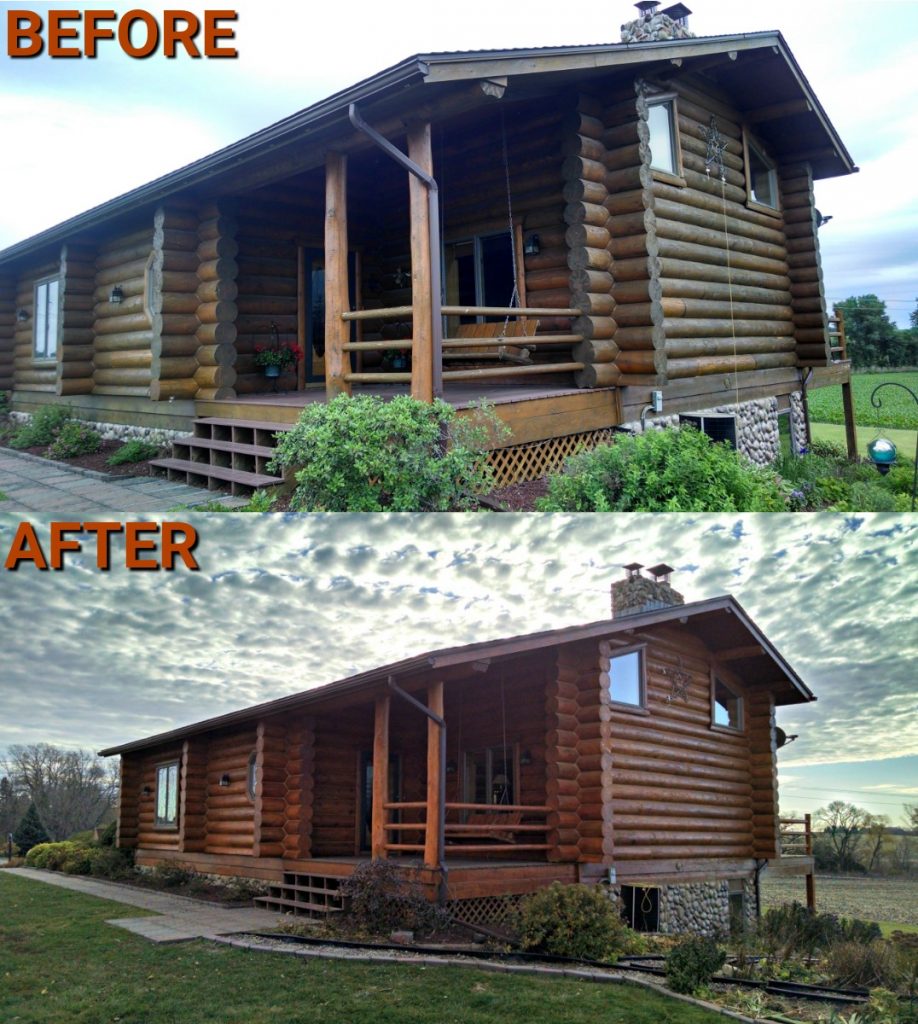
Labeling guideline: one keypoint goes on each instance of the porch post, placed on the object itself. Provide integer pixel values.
(422, 368)
(433, 843)
(378, 834)
(337, 331)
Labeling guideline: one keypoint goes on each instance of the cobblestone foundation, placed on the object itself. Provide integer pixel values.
(702, 908)
(797, 421)
(118, 431)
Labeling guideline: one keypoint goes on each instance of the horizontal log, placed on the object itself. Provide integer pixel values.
(137, 378)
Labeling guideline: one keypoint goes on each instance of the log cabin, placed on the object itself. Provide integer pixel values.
(591, 237)
(638, 751)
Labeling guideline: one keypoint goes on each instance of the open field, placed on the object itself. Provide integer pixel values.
(60, 962)
(904, 440)
(891, 901)
(898, 409)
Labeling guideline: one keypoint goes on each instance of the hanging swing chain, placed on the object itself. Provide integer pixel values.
(503, 717)
(515, 295)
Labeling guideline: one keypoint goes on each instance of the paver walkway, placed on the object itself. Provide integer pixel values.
(179, 918)
(36, 485)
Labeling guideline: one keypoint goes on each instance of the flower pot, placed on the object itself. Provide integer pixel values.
(272, 370)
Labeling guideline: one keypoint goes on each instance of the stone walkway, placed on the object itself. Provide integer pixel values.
(178, 918)
(53, 489)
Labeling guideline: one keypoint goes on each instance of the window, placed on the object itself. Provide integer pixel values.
(761, 176)
(736, 895)
(490, 776)
(626, 678)
(479, 272)
(718, 428)
(251, 777)
(727, 706)
(44, 336)
(167, 794)
(641, 907)
(664, 136)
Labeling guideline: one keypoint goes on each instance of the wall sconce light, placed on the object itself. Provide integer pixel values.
(526, 757)
(147, 791)
(117, 295)
(22, 315)
(532, 246)
(224, 779)
(450, 767)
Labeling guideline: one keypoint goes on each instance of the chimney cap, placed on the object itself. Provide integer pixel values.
(633, 569)
(647, 6)
(677, 12)
(661, 571)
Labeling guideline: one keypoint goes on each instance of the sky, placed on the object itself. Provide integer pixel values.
(78, 131)
(286, 603)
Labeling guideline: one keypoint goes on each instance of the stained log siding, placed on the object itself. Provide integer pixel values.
(299, 788)
(76, 352)
(804, 266)
(141, 770)
(230, 809)
(29, 373)
(7, 331)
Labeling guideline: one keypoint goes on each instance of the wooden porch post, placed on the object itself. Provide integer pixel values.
(337, 331)
(433, 848)
(419, 150)
(378, 834)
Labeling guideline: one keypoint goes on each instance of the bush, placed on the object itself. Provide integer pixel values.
(364, 454)
(579, 921)
(137, 450)
(795, 929)
(52, 856)
(4, 403)
(110, 862)
(171, 876)
(860, 964)
(75, 439)
(29, 832)
(109, 834)
(46, 423)
(662, 471)
(693, 963)
(382, 898)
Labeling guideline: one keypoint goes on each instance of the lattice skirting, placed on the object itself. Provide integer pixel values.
(530, 461)
(493, 910)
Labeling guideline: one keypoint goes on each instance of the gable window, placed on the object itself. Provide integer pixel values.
(626, 678)
(44, 334)
(727, 705)
(251, 776)
(167, 794)
(761, 176)
(665, 148)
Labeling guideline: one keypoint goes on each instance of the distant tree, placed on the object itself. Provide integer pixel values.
(876, 827)
(844, 827)
(873, 339)
(12, 807)
(30, 831)
(72, 790)
(911, 810)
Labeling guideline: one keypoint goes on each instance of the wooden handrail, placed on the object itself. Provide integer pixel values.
(403, 312)
(405, 344)
(790, 839)
(420, 805)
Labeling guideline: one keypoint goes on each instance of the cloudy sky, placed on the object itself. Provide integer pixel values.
(285, 603)
(78, 132)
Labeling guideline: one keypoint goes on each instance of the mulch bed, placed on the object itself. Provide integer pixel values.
(97, 460)
(519, 497)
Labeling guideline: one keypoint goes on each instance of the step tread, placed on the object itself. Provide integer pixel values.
(277, 900)
(238, 447)
(334, 893)
(219, 421)
(238, 476)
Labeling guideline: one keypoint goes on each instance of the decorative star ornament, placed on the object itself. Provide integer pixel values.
(716, 144)
(680, 680)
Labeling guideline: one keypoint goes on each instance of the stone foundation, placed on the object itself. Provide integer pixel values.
(117, 431)
(798, 422)
(703, 908)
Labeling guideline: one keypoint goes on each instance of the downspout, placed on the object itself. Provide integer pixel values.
(760, 865)
(433, 219)
(441, 823)
(804, 381)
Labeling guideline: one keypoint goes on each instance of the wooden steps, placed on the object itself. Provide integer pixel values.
(313, 896)
(223, 451)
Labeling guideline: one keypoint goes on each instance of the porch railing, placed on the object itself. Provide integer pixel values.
(456, 346)
(795, 836)
(511, 828)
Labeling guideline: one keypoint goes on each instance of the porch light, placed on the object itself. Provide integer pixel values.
(451, 767)
(533, 246)
(117, 295)
(22, 315)
(147, 791)
(224, 780)
(526, 757)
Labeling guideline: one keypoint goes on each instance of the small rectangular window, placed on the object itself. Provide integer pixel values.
(626, 678)
(641, 907)
(664, 140)
(761, 176)
(44, 336)
(728, 706)
(167, 794)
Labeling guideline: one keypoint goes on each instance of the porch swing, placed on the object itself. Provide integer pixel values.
(498, 333)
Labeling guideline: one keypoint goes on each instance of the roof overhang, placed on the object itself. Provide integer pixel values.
(758, 66)
(722, 624)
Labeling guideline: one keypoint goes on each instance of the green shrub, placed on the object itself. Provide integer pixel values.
(364, 454)
(137, 450)
(78, 861)
(828, 450)
(46, 423)
(170, 876)
(832, 491)
(381, 898)
(52, 856)
(873, 497)
(109, 834)
(75, 439)
(662, 471)
(580, 921)
(111, 862)
(693, 963)
(4, 403)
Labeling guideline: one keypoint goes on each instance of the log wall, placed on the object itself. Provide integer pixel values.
(299, 789)
(804, 267)
(27, 373)
(193, 790)
(339, 740)
(75, 359)
(142, 773)
(230, 810)
(764, 775)
(7, 330)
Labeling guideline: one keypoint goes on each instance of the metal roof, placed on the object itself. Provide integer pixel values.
(716, 609)
(424, 69)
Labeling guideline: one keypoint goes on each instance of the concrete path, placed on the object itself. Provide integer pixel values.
(179, 918)
(55, 490)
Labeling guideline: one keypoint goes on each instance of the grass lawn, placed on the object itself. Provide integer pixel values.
(898, 410)
(904, 440)
(60, 963)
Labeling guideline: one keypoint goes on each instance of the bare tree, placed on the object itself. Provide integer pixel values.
(844, 827)
(911, 817)
(13, 805)
(72, 790)
(876, 828)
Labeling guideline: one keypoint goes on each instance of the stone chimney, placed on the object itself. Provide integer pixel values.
(652, 25)
(639, 593)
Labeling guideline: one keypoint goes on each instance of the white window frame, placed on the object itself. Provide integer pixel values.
(642, 676)
(751, 146)
(674, 176)
(167, 779)
(45, 348)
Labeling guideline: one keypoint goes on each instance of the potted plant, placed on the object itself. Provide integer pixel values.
(277, 357)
